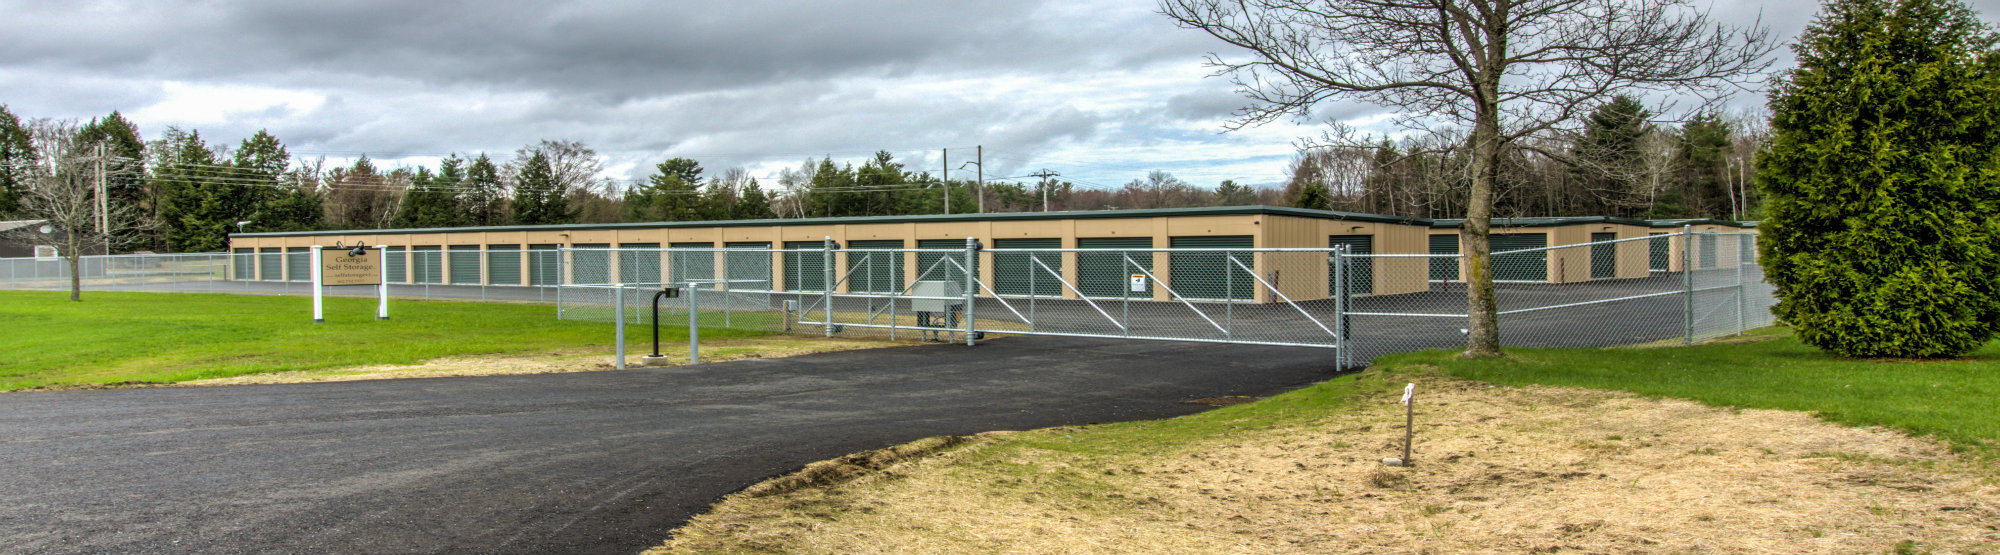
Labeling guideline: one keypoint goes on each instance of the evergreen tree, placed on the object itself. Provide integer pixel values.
(17, 153)
(124, 181)
(1314, 194)
(537, 198)
(1702, 176)
(199, 205)
(1608, 159)
(481, 197)
(432, 200)
(670, 195)
(754, 204)
(1228, 193)
(1882, 180)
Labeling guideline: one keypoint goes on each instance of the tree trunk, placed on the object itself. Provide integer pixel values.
(1482, 310)
(75, 277)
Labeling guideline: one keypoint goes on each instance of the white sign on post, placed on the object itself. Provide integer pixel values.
(1138, 283)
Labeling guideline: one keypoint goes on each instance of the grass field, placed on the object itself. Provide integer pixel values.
(1541, 466)
(1952, 400)
(175, 337)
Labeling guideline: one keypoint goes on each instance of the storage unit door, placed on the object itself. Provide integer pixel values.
(638, 263)
(503, 264)
(428, 263)
(875, 272)
(465, 264)
(394, 261)
(298, 264)
(1016, 273)
(1107, 274)
(245, 261)
(1360, 270)
(931, 269)
(1706, 256)
(749, 270)
(685, 266)
(270, 265)
(1656, 251)
(1527, 266)
(1211, 275)
(1603, 256)
(1444, 268)
(805, 266)
(544, 265)
(590, 266)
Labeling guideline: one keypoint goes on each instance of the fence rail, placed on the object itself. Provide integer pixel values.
(1687, 286)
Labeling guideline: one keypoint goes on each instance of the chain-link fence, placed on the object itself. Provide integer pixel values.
(1686, 286)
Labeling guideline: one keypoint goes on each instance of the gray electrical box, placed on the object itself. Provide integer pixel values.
(937, 289)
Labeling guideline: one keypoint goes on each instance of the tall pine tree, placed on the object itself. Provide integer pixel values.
(1882, 180)
(481, 197)
(17, 152)
(537, 198)
(672, 194)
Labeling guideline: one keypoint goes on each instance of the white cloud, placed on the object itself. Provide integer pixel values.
(193, 104)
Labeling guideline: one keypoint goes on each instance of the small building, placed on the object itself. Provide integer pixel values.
(36, 238)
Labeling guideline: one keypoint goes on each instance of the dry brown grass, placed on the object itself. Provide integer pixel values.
(1498, 470)
(584, 360)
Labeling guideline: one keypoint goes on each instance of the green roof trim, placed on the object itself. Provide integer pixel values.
(1551, 221)
(1701, 221)
(924, 218)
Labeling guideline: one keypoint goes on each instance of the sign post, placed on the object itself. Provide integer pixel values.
(361, 266)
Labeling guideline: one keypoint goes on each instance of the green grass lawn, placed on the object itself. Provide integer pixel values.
(115, 337)
(1953, 400)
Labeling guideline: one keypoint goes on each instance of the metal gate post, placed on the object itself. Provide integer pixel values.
(826, 273)
(971, 284)
(618, 301)
(1687, 279)
(1339, 261)
(1741, 289)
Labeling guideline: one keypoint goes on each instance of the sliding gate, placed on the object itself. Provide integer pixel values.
(1286, 297)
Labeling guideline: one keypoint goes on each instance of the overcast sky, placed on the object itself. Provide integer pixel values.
(1101, 91)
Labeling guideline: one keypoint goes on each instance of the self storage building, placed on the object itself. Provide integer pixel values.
(524, 255)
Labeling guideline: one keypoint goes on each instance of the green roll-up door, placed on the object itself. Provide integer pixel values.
(298, 264)
(946, 271)
(1603, 256)
(750, 269)
(465, 264)
(427, 263)
(270, 264)
(691, 265)
(1016, 273)
(638, 263)
(395, 261)
(879, 272)
(1706, 258)
(503, 264)
(1657, 249)
(245, 261)
(1107, 274)
(544, 264)
(805, 271)
(1527, 266)
(1360, 270)
(1444, 268)
(590, 263)
(1209, 275)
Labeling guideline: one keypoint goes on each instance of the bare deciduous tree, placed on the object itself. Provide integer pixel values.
(1503, 70)
(63, 191)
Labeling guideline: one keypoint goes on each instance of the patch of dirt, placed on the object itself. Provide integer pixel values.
(586, 360)
(1496, 470)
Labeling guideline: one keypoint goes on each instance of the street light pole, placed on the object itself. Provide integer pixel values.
(947, 181)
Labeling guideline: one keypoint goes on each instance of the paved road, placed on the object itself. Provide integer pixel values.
(603, 462)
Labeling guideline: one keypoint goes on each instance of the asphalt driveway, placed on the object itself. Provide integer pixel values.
(600, 462)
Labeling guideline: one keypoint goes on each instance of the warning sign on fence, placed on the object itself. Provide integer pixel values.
(1138, 283)
(340, 267)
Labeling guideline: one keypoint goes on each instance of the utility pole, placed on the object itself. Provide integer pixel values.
(1045, 174)
(982, 178)
(103, 204)
(947, 181)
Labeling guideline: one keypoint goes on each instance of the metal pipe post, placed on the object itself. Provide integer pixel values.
(618, 302)
(826, 273)
(319, 314)
(382, 289)
(971, 284)
(694, 327)
(1339, 261)
(1687, 279)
